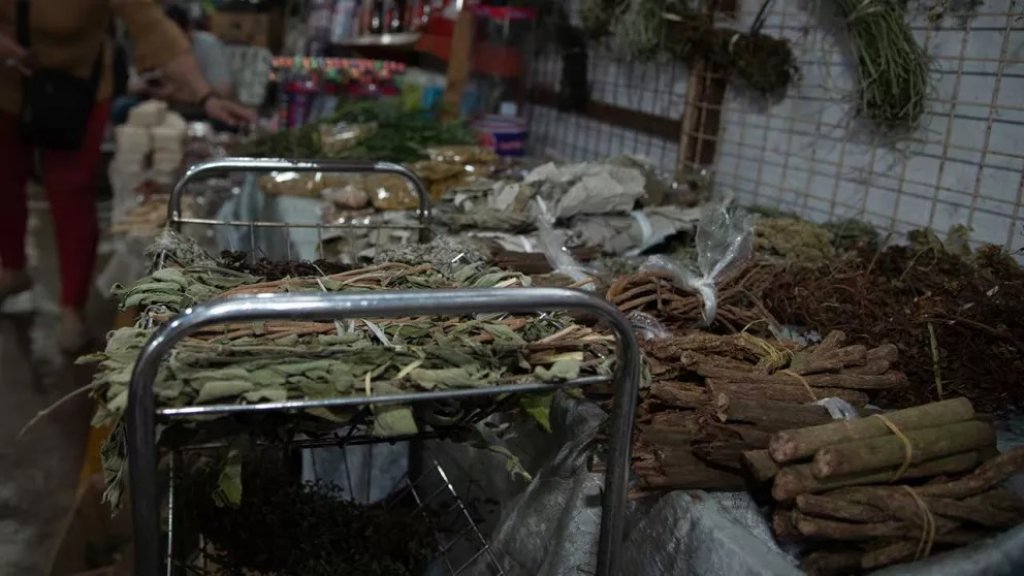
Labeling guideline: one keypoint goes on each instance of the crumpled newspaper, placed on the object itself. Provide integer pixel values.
(588, 188)
(633, 233)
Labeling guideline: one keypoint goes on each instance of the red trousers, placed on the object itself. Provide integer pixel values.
(69, 177)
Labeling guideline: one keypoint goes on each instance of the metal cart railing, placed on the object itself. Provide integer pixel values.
(143, 413)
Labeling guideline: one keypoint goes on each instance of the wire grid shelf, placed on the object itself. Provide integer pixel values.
(143, 413)
(375, 227)
(460, 542)
(653, 89)
(809, 153)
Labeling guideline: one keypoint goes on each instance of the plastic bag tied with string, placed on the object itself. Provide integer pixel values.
(724, 243)
(553, 244)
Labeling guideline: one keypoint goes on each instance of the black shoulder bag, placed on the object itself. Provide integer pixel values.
(55, 104)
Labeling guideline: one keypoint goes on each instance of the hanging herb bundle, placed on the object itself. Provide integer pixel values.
(763, 63)
(644, 28)
(892, 69)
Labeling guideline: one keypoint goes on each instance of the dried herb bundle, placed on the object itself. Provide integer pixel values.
(763, 63)
(644, 28)
(285, 528)
(892, 68)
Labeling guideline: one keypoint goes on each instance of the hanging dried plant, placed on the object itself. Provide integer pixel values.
(892, 69)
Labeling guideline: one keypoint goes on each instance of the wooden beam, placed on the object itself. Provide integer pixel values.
(654, 125)
(459, 64)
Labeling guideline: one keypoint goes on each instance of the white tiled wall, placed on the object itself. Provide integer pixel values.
(809, 154)
(657, 88)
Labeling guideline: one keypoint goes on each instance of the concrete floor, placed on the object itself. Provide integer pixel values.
(39, 471)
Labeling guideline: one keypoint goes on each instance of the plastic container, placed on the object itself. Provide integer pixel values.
(505, 135)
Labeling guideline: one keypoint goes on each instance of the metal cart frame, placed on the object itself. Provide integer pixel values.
(142, 412)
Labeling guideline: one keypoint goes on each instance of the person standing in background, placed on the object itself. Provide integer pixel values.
(67, 40)
(210, 53)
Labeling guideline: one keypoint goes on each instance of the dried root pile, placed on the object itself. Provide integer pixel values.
(654, 293)
(954, 315)
(881, 490)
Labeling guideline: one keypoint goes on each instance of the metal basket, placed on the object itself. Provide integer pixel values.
(143, 414)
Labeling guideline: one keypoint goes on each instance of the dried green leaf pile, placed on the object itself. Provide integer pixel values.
(290, 360)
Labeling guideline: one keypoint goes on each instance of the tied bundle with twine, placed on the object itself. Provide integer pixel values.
(646, 28)
(892, 69)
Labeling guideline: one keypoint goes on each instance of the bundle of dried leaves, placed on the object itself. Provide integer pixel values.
(284, 359)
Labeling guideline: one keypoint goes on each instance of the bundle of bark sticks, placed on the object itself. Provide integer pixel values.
(713, 398)
(889, 488)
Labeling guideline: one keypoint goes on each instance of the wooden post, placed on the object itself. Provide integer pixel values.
(460, 63)
(705, 92)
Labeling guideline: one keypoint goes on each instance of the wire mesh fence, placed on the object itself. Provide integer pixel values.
(810, 153)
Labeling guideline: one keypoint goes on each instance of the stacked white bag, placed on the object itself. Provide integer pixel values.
(152, 138)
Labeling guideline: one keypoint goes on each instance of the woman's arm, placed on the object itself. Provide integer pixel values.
(159, 43)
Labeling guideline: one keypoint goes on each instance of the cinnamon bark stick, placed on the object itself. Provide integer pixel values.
(707, 367)
(895, 553)
(727, 455)
(872, 368)
(975, 512)
(681, 470)
(753, 436)
(838, 509)
(791, 445)
(783, 527)
(833, 530)
(832, 562)
(680, 394)
(772, 416)
(832, 341)
(799, 479)
(794, 392)
(760, 464)
(886, 352)
(898, 502)
(989, 474)
(1000, 499)
(889, 451)
(833, 361)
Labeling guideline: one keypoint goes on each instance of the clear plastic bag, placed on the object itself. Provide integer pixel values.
(838, 408)
(552, 242)
(647, 327)
(724, 243)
